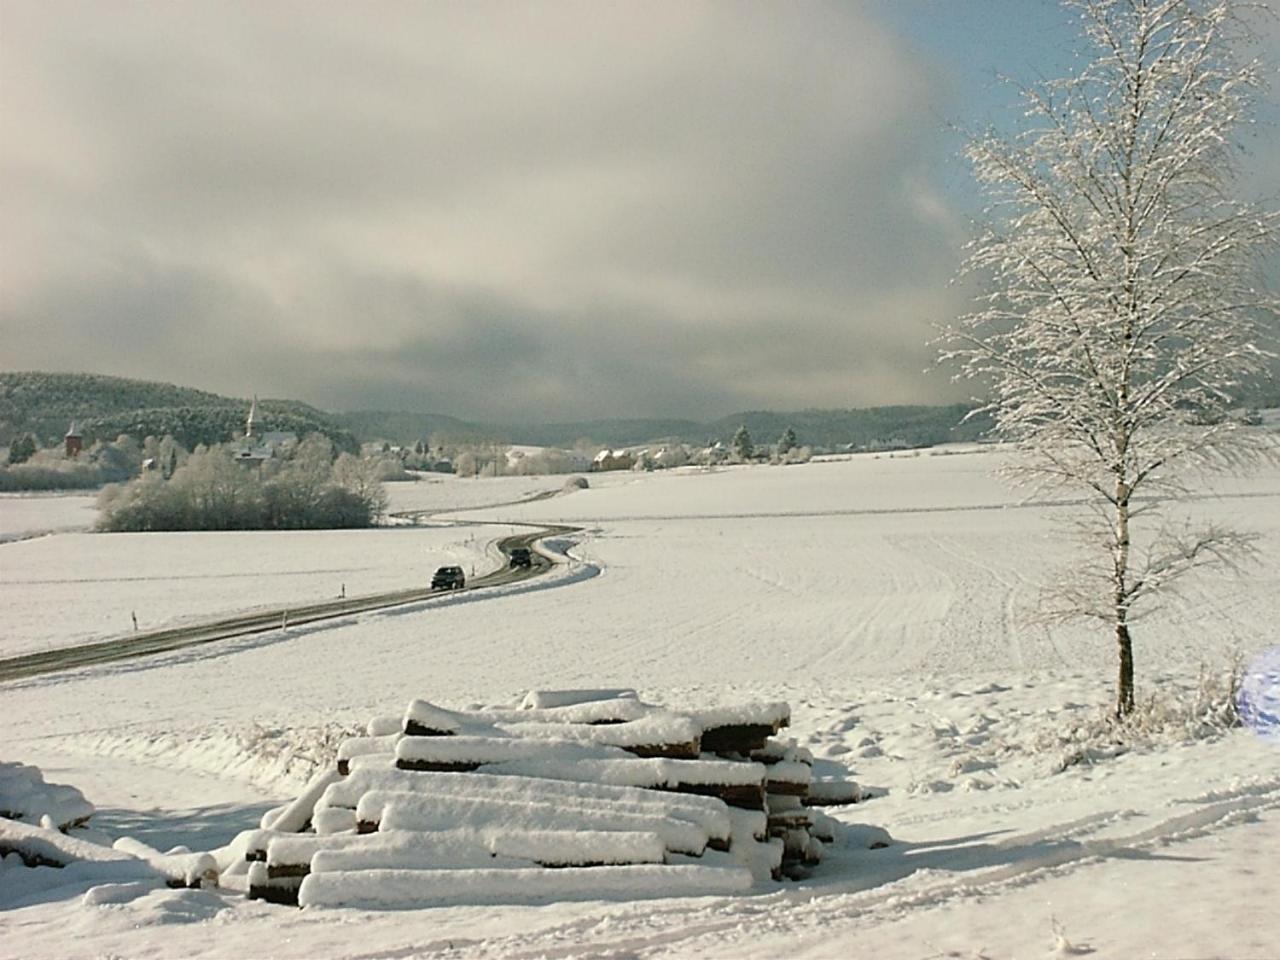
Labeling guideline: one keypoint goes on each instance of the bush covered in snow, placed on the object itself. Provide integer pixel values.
(51, 469)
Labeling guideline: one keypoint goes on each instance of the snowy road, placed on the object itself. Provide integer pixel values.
(162, 641)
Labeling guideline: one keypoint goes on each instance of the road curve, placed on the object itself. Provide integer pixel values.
(174, 638)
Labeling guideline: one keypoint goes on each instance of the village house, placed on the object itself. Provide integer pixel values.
(613, 460)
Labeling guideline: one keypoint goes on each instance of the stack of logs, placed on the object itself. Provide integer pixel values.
(566, 793)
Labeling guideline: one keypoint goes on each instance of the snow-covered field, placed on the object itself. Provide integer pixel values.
(31, 515)
(885, 598)
(442, 491)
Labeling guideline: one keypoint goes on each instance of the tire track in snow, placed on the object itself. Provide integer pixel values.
(1012, 639)
(812, 908)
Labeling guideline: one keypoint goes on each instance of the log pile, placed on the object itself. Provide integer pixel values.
(568, 793)
(25, 796)
(127, 860)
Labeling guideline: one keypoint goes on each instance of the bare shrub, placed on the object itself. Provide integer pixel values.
(1175, 713)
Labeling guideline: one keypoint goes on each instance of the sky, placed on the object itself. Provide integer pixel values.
(506, 211)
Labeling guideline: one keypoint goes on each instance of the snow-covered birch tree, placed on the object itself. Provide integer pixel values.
(1124, 305)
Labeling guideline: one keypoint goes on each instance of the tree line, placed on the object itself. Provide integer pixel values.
(211, 490)
(30, 467)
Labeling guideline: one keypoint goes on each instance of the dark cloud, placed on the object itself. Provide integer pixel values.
(494, 210)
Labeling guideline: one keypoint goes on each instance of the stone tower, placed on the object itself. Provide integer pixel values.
(74, 441)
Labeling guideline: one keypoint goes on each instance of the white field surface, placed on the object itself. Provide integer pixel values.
(442, 491)
(884, 598)
(25, 515)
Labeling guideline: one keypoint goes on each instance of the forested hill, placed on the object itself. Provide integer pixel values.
(407, 428)
(104, 407)
(901, 426)
(44, 404)
(870, 427)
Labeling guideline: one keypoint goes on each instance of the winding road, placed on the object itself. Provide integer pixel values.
(174, 638)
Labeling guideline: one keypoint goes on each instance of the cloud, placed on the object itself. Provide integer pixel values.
(493, 210)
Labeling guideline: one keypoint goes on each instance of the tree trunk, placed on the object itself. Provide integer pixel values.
(1124, 685)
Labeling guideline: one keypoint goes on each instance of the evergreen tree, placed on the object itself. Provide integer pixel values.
(22, 449)
(787, 442)
(741, 443)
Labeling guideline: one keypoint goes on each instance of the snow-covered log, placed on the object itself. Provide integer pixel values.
(44, 846)
(738, 784)
(463, 753)
(354, 747)
(185, 869)
(544, 699)
(416, 888)
(424, 719)
(25, 796)
(405, 811)
(707, 812)
(283, 890)
(493, 847)
(742, 728)
(295, 816)
(788, 777)
(617, 710)
(657, 734)
(824, 793)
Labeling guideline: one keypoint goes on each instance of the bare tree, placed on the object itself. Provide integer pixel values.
(362, 479)
(1125, 307)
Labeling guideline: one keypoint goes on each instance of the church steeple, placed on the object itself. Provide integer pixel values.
(74, 441)
(248, 423)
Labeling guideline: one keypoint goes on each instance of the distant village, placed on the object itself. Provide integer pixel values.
(82, 461)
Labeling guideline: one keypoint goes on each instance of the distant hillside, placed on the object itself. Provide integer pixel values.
(104, 407)
(407, 428)
(872, 427)
(606, 433)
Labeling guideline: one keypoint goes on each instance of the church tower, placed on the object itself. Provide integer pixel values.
(74, 441)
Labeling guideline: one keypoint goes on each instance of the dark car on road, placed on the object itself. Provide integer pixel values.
(448, 578)
(521, 557)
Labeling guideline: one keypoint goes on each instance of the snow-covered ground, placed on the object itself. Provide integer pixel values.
(442, 491)
(885, 598)
(25, 515)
